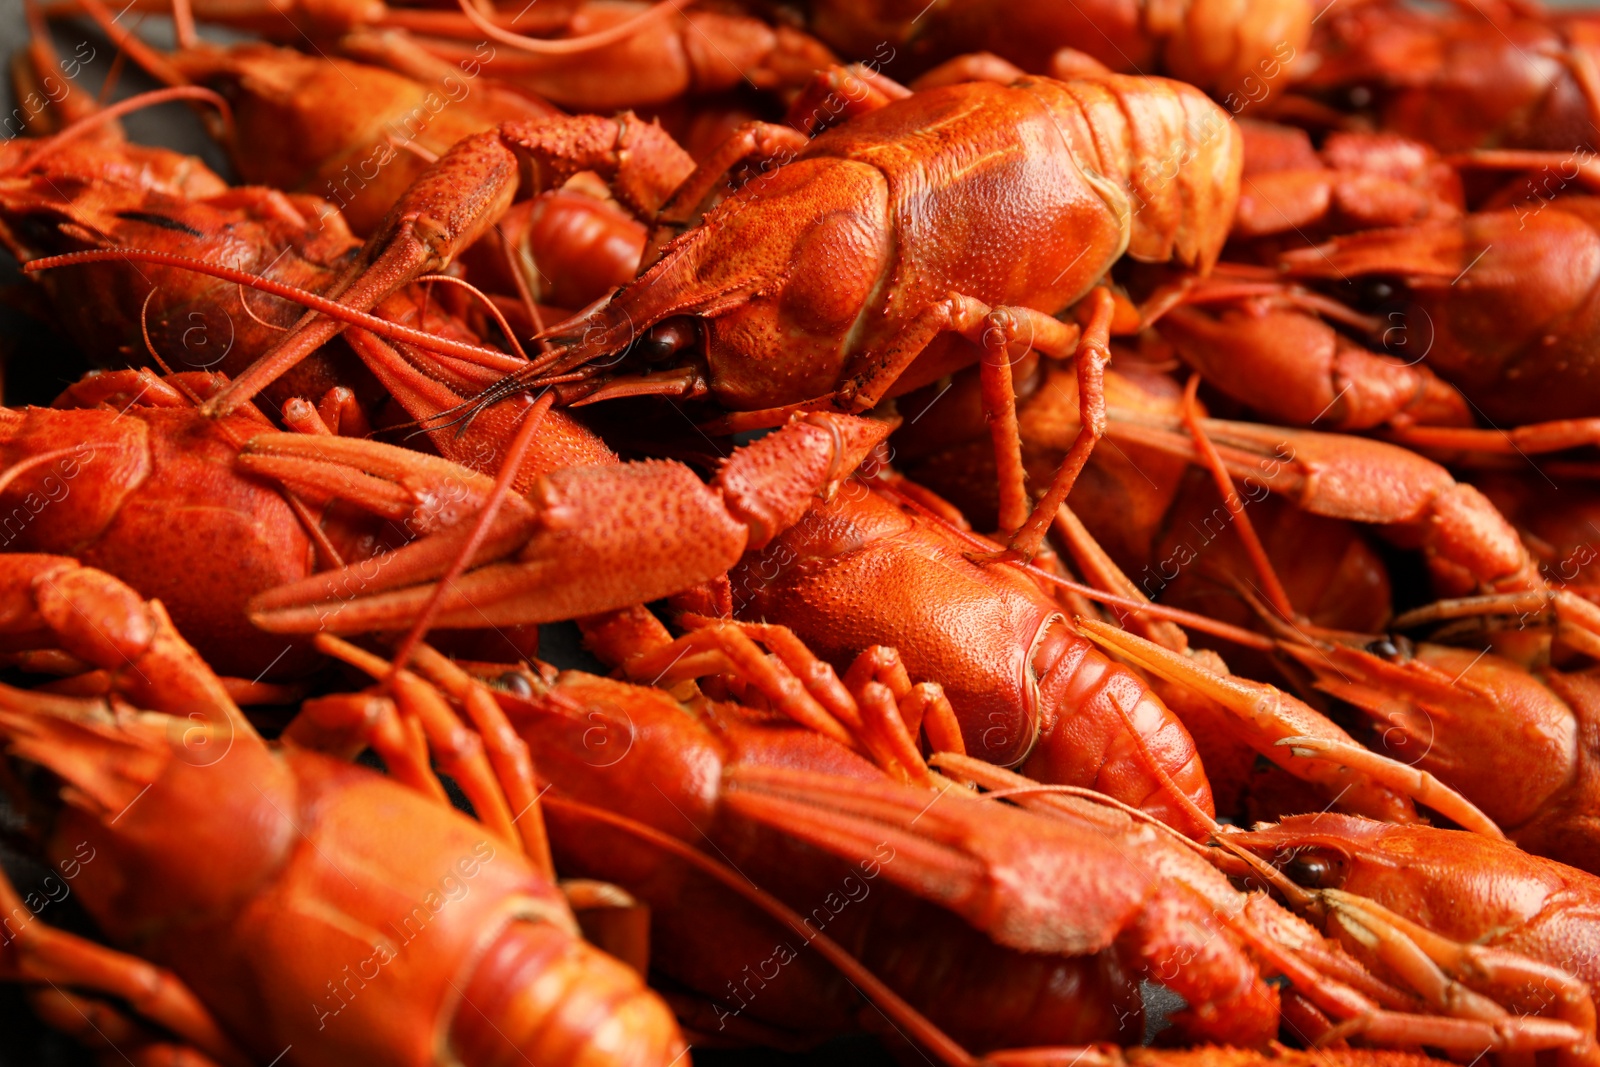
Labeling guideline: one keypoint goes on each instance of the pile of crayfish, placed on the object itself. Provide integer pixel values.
(1061, 533)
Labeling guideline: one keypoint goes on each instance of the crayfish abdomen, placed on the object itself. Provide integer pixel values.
(857, 571)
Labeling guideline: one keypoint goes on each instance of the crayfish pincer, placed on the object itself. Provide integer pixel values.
(580, 541)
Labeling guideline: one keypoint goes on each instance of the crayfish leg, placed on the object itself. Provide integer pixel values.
(507, 752)
(342, 725)
(1431, 961)
(999, 332)
(459, 751)
(1091, 349)
(870, 710)
(455, 202)
(1268, 717)
(1283, 360)
(447, 209)
(1451, 977)
(761, 141)
(839, 93)
(101, 621)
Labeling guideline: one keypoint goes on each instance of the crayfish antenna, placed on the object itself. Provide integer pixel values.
(476, 354)
(565, 46)
(1096, 565)
(1276, 595)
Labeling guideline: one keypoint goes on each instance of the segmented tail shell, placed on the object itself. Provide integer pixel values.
(541, 995)
(1162, 148)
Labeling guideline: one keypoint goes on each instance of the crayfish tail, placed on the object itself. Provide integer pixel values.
(541, 995)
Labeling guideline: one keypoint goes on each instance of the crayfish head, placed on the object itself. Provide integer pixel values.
(196, 806)
(781, 277)
(1315, 854)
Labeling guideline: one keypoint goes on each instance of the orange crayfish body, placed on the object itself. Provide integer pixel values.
(825, 276)
(621, 748)
(859, 570)
(1215, 46)
(331, 911)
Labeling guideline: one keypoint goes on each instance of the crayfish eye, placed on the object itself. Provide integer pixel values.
(515, 684)
(1384, 648)
(1375, 294)
(666, 339)
(1314, 871)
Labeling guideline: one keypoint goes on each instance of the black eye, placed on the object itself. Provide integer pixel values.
(1384, 648)
(666, 339)
(1313, 871)
(1374, 293)
(515, 684)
